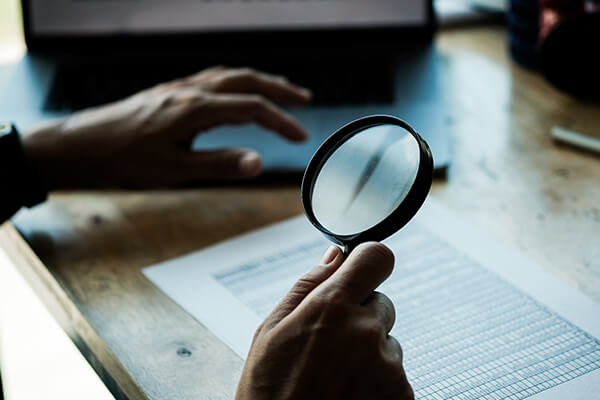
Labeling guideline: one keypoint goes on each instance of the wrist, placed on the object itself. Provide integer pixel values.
(40, 146)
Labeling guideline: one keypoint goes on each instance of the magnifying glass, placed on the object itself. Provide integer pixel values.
(367, 180)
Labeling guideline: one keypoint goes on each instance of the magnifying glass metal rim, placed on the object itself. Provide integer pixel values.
(397, 218)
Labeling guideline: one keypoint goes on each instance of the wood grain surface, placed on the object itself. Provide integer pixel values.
(83, 252)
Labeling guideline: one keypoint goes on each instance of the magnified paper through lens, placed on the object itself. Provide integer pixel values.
(365, 179)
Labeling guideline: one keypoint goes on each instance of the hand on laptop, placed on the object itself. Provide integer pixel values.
(144, 141)
(329, 337)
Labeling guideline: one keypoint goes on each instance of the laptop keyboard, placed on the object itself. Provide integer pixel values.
(342, 82)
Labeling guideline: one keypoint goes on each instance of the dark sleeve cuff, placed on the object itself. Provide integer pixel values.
(20, 182)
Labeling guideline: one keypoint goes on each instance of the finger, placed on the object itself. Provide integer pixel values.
(242, 108)
(382, 308)
(330, 262)
(363, 271)
(275, 88)
(219, 164)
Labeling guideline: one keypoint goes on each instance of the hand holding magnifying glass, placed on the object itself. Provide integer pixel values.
(330, 336)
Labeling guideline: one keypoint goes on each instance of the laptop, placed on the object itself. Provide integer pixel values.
(359, 58)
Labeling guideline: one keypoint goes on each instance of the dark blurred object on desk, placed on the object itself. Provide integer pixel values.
(559, 38)
(569, 50)
(523, 27)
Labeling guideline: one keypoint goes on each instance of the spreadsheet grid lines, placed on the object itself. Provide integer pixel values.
(466, 333)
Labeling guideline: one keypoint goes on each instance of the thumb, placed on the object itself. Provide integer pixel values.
(330, 262)
(223, 164)
(367, 267)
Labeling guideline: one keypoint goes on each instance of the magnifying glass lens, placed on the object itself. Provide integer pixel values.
(365, 179)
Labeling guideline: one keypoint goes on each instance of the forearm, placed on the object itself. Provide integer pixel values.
(144, 141)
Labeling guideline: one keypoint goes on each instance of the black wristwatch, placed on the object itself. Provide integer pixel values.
(20, 181)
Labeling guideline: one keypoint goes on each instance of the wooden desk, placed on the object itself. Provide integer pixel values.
(83, 252)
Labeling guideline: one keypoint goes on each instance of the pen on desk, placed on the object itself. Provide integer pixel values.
(576, 139)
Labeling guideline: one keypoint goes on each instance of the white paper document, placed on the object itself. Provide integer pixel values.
(475, 319)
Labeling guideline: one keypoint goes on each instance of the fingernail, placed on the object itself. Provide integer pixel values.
(250, 164)
(306, 93)
(329, 255)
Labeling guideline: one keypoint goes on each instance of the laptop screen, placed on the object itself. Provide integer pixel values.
(109, 17)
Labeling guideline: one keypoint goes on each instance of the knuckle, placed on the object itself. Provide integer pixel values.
(213, 83)
(258, 331)
(257, 102)
(217, 82)
(165, 99)
(371, 332)
(281, 79)
(246, 71)
(213, 71)
(383, 307)
(331, 304)
(387, 305)
(304, 285)
(197, 99)
(244, 74)
(397, 348)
